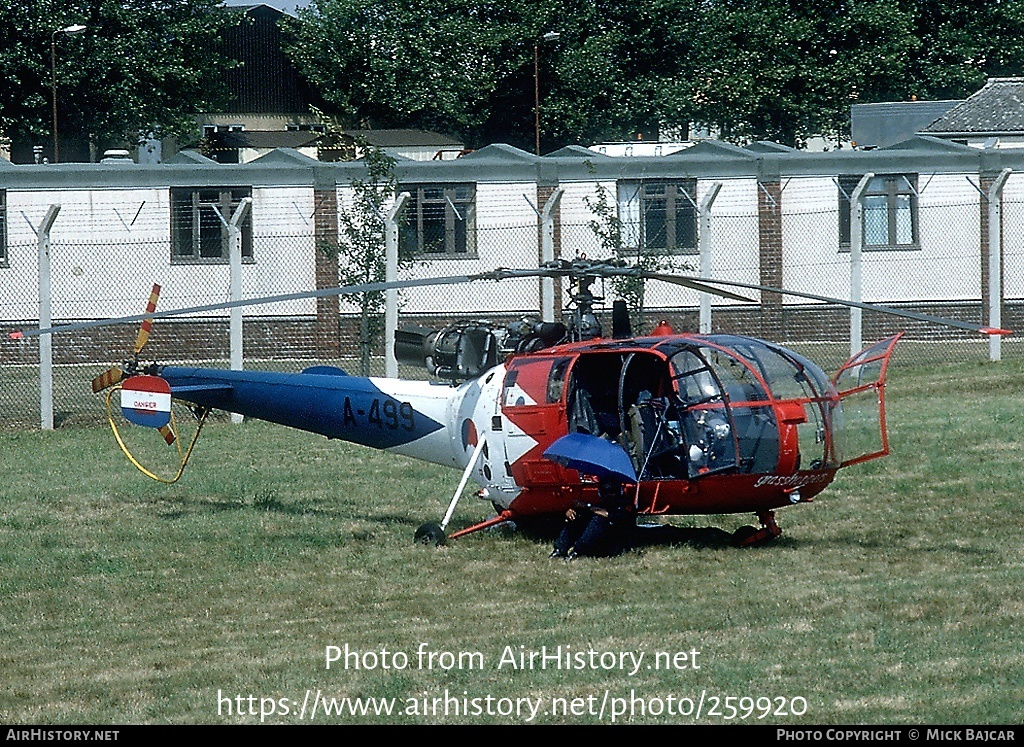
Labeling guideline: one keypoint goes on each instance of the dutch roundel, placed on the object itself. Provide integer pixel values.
(146, 400)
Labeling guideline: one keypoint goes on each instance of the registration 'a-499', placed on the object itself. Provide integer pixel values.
(386, 414)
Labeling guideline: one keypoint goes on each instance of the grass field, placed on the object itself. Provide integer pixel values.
(894, 599)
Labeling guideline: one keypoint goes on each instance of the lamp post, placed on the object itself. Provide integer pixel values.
(74, 29)
(548, 37)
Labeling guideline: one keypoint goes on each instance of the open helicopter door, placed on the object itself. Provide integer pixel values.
(859, 421)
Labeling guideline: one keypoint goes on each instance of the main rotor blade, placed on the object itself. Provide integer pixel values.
(562, 269)
(611, 270)
(322, 293)
(698, 285)
(955, 323)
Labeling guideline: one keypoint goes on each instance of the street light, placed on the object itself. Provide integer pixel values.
(74, 29)
(548, 37)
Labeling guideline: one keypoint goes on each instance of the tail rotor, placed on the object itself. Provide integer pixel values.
(116, 374)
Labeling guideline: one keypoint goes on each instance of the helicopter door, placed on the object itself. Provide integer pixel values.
(859, 421)
(677, 420)
(533, 414)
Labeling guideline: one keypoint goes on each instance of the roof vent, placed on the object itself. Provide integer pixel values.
(116, 155)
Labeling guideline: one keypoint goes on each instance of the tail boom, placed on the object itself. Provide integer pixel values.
(403, 416)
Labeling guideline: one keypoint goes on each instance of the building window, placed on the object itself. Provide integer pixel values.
(197, 232)
(659, 217)
(3, 228)
(890, 212)
(209, 130)
(440, 220)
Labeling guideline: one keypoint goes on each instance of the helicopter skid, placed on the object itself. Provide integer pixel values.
(493, 521)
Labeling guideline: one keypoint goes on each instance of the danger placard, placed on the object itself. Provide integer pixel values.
(146, 400)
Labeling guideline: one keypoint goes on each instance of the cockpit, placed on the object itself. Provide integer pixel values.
(703, 405)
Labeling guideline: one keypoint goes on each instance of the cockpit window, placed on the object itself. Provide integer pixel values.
(556, 380)
(693, 377)
(740, 383)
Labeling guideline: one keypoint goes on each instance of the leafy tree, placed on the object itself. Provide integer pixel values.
(624, 67)
(414, 63)
(610, 231)
(787, 71)
(783, 70)
(360, 245)
(962, 44)
(140, 66)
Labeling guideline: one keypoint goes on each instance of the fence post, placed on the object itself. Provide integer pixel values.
(995, 263)
(45, 318)
(235, 286)
(856, 246)
(390, 275)
(547, 253)
(704, 247)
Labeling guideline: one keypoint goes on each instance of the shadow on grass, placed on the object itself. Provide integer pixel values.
(644, 535)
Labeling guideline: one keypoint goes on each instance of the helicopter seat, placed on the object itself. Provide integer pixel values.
(654, 438)
(582, 416)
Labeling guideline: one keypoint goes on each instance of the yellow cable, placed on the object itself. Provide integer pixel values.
(184, 457)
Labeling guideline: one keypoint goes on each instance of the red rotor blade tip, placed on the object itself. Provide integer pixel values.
(17, 335)
(995, 331)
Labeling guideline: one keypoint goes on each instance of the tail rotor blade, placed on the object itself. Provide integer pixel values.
(147, 324)
(107, 379)
(167, 433)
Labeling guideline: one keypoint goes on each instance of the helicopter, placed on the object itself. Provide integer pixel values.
(534, 412)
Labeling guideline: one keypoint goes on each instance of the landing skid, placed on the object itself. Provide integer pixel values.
(433, 534)
(749, 536)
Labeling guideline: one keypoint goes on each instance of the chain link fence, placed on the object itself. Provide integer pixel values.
(941, 272)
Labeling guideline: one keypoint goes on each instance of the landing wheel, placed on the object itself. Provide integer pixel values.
(742, 536)
(431, 534)
(748, 536)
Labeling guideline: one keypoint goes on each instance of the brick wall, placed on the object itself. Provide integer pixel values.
(325, 226)
(769, 231)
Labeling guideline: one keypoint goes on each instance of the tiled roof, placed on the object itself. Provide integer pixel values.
(266, 139)
(997, 109)
(406, 138)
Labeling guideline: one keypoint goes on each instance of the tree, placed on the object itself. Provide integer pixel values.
(610, 231)
(962, 44)
(625, 68)
(414, 63)
(782, 70)
(360, 245)
(140, 67)
(787, 71)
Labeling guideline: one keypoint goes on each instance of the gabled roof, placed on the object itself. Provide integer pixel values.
(258, 7)
(575, 151)
(997, 109)
(406, 138)
(928, 144)
(285, 157)
(715, 149)
(885, 123)
(266, 139)
(767, 146)
(190, 156)
(500, 152)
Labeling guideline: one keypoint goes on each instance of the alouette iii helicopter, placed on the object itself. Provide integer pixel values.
(703, 423)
